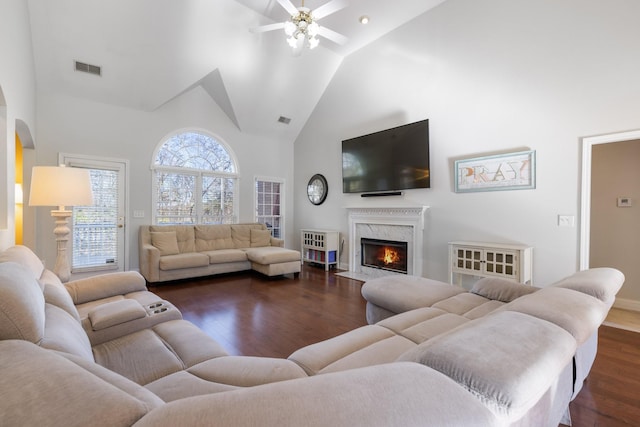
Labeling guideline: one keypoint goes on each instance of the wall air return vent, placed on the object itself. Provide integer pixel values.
(285, 120)
(88, 68)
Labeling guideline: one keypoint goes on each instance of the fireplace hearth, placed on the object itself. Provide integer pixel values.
(388, 255)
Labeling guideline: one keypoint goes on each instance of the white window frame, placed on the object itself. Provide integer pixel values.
(282, 216)
(198, 173)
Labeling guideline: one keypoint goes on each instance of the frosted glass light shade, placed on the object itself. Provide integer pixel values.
(60, 186)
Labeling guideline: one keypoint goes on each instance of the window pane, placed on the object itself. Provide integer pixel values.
(192, 197)
(217, 200)
(175, 198)
(268, 206)
(95, 233)
(195, 150)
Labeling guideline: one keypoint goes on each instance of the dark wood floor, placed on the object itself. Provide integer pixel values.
(254, 316)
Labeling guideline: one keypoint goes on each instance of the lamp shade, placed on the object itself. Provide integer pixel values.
(60, 186)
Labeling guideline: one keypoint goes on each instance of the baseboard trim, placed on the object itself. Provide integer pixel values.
(627, 304)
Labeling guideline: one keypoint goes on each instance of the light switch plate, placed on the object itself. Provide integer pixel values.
(566, 221)
(138, 214)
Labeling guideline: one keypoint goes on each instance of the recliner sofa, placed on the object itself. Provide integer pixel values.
(509, 363)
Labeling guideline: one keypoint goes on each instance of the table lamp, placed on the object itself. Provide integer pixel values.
(60, 186)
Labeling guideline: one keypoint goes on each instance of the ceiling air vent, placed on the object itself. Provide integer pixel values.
(285, 120)
(88, 68)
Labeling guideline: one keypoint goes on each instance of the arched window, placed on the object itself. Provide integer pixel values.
(195, 180)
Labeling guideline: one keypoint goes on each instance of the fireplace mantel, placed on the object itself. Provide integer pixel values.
(383, 222)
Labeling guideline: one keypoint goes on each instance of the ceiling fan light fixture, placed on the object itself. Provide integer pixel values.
(302, 29)
(313, 28)
(290, 28)
(293, 42)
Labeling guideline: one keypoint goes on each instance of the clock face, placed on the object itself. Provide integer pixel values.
(317, 189)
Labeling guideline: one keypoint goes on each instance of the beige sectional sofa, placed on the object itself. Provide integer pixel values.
(171, 252)
(500, 355)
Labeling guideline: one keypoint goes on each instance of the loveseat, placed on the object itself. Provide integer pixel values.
(495, 356)
(170, 252)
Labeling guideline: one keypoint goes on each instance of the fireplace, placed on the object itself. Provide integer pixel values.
(388, 255)
(399, 224)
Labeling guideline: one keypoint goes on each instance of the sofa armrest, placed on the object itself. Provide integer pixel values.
(277, 242)
(105, 286)
(149, 262)
(116, 313)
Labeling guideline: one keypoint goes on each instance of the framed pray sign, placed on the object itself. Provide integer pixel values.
(512, 171)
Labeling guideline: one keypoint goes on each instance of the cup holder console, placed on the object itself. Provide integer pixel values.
(157, 307)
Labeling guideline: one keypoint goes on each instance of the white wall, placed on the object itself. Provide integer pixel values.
(492, 76)
(17, 102)
(78, 126)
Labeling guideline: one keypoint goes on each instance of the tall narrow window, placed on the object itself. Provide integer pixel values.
(95, 228)
(196, 181)
(269, 207)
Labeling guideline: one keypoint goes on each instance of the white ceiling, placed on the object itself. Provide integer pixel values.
(151, 51)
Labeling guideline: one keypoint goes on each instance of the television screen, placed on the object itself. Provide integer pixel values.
(389, 160)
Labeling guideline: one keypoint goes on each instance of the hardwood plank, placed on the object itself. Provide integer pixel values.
(610, 396)
(252, 315)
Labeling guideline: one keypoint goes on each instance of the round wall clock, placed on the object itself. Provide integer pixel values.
(317, 189)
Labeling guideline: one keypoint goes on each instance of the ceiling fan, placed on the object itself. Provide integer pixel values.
(302, 28)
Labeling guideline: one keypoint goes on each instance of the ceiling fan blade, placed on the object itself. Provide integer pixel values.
(329, 8)
(332, 35)
(270, 27)
(289, 7)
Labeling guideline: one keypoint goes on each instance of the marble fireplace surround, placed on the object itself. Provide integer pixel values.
(405, 224)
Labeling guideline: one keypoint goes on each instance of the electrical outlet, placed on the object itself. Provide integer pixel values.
(566, 221)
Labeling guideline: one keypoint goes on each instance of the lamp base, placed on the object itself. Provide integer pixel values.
(61, 231)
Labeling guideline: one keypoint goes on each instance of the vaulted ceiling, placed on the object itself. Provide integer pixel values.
(152, 51)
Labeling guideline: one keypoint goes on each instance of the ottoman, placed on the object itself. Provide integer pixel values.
(274, 260)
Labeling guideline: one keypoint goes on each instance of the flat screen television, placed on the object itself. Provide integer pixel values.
(387, 161)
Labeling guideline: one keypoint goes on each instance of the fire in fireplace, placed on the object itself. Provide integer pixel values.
(384, 254)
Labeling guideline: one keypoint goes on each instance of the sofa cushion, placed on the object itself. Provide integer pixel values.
(59, 296)
(185, 234)
(403, 293)
(602, 283)
(507, 360)
(213, 237)
(43, 388)
(21, 304)
(241, 235)
(63, 333)
(188, 260)
(260, 238)
(496, 288)
(165, 241)
(25, 257)
(272, 255)
(315, 357)
(226, 255)
(374, 396)
(153, 353)
(577, 313)
(461, 303)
